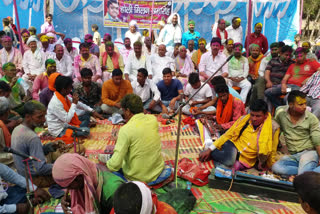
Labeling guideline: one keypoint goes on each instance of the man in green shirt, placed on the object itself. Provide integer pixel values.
(17, 91)
(138, 148)
(302, 135)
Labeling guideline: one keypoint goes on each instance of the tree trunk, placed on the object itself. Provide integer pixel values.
(306, 26)
(315, 25)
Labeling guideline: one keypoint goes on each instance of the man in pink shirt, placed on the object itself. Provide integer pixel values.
(87, 60)
(10, 54)
(41, 80)
(48, 27)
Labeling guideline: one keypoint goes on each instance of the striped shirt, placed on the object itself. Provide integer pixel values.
(312, 86)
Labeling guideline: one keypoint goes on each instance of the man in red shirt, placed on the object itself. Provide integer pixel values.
(299, 72)
(258, 38)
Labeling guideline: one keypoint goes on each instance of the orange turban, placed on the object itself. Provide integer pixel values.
(51, 81)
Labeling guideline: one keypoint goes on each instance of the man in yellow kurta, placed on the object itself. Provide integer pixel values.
(253, 136)
(138, 148)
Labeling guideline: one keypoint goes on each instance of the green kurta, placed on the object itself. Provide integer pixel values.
(138, 149)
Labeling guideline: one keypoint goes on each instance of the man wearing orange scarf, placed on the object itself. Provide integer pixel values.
(229, 108)
(61, 113)
(196, 56)
(257, 81)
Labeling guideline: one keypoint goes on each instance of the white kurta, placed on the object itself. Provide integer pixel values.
(235, 34)
(157, 64)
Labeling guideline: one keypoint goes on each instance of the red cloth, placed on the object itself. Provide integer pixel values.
(238, 109)
(219, 35)
(192, 172)
(299, 73)
(260, 40)
(6, 134)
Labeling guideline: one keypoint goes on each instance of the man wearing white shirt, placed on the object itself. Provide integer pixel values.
(238, 72)
(235, 31)
(203, 97)
(147, 91)
(148, 48)
(172, 32)
(63, 62)
(62, 113)
(135, 61)
(33, 61)
(219, 30)
(212, 60)
(158, 62)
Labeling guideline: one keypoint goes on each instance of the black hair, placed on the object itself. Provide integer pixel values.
(281, 44)
(294, 94)
(6, 21)
(143, 71)
(2, 33)
(117, 72)
(218, 80)
(166, 71)
(126, 39)
(112, 2)
(286, 48)
(84, 45)
(177, 44)
(62, 82)
(132, 102)
(234, 18)
(55, 47)
(215, 39)
(49, 15)
(127, 199)
(137, 43)
(259, 105)
(95, 26)
(31, 106)
(221, 88)
(193, 78)
(307, 186)
(4, 86)
(86, 72)
(219, 21)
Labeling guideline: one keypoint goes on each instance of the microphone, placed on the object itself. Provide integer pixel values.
(10, 150)
(73, 128)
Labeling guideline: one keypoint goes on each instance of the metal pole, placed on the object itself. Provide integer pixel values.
(151, 22)
(301, 13)
(249, 27)
(179, 120)
(18, 25)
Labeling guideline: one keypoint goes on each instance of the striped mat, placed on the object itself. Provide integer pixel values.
(208, 200)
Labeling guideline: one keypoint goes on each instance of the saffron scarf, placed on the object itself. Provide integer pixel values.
(66, 168)
(219, 35)
(67, 138)
(254, 65)
(6, 134)
(199, 54)
(52, 80)
(224, 114)
(114, 59)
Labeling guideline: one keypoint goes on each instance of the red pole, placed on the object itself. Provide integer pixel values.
(151, 23)
(18, 25)
(249, 26)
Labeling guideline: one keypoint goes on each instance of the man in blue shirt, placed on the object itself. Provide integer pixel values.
(191, 35)
(170, 90)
